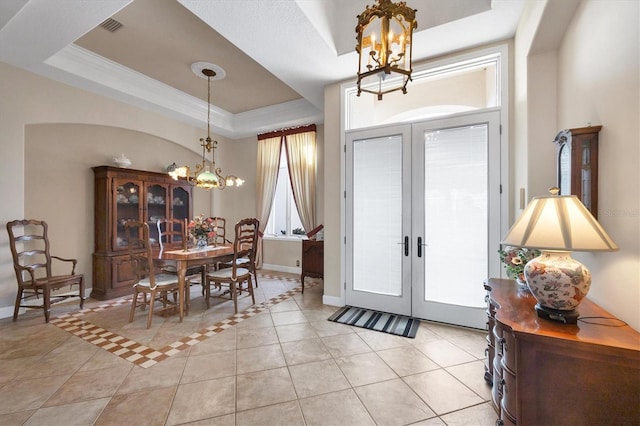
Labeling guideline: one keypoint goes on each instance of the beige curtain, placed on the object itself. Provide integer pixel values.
(266, 179)
(301, 159)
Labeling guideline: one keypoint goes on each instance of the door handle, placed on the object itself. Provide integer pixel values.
(406, 245)
(420, 245)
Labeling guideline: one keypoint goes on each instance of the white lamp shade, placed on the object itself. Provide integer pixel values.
(558, 223)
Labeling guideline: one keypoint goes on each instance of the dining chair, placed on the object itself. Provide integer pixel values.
(220, 224)
(158, 286)
(171, 233)
(33, 265)
(244, 262)
(172, 236)
(244, 246)
(221, 235)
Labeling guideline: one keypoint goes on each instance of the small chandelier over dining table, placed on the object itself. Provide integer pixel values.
(385, 36)
(203, 176)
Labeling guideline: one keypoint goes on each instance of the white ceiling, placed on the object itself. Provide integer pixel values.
(278, 55)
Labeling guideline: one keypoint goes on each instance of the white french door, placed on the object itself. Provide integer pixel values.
(378, 219)
(423, 217)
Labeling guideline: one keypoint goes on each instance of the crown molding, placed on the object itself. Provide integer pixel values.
(86, 70)
(286, 114)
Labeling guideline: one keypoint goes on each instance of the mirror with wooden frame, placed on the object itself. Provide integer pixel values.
(577, 164)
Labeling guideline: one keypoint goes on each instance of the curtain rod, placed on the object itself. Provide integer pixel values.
(287, 131)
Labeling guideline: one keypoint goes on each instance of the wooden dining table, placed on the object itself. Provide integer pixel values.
(185, 259)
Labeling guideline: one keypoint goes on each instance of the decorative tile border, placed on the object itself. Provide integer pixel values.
(145, 356)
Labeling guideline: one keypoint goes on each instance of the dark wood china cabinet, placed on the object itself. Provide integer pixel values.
(127, 194)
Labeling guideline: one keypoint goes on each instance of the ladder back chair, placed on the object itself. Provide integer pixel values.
(157, 286)
(244, 246)
(172, 235)
(243, 262)
(221, 225)
(33, 265)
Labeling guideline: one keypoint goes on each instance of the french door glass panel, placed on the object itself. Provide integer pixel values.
(455, 220)
(456, 212)
(378, 204)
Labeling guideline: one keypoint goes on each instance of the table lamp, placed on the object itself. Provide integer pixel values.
(558, 225)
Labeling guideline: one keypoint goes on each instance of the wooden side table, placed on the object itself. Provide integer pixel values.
(312, 260)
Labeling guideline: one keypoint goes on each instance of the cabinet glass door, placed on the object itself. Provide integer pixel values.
(156, 208)
(127, 204)
(180, 206)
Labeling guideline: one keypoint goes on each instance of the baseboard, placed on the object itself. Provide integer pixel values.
(332, 301)
(327, 300)
(281, 268)
(7, 311)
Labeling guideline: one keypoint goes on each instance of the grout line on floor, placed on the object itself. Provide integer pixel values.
(145, 356)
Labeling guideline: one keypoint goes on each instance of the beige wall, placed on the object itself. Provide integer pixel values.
(237, 157)
(590, 76)
(333, 187)
(599, 83)
(518, 172)
(283, 254)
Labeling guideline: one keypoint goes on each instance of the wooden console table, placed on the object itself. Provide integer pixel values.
(547, 373)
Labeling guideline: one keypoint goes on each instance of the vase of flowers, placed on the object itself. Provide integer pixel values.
(514, 259)
(202, 230)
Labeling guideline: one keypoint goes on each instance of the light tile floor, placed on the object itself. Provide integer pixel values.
(287, 365)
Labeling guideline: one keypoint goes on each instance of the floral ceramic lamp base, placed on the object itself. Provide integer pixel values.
(559, 283)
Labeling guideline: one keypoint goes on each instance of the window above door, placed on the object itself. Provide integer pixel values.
(464, 83)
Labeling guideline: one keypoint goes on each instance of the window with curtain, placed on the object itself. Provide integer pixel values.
(284, 219)
(286, 182)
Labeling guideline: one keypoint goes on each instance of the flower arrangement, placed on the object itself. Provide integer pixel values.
(515, 258)
(201, 228)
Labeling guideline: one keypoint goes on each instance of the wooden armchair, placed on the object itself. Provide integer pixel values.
(32, 262)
